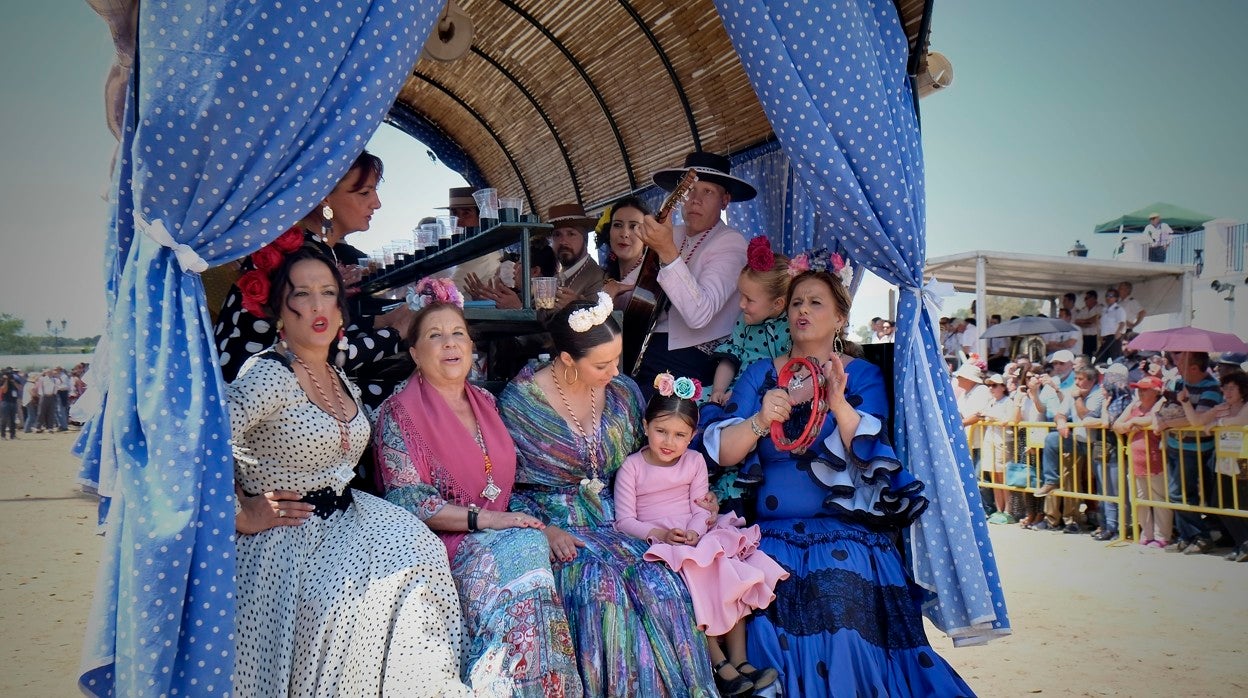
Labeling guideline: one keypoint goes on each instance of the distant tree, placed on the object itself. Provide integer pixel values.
(1007, 307)
(13, 339)
(864, 333)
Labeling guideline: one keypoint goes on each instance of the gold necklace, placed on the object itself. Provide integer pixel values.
(344, 428)
(592, 483)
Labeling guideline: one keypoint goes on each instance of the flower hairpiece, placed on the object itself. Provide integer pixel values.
(255, 284)
(587, 318)
(824, 261)
(684, 388)
(759, 256)
(430, 290)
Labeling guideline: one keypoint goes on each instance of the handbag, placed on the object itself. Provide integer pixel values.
(1020, 475)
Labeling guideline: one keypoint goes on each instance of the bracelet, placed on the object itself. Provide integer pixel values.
(758, 431)
(473, 510)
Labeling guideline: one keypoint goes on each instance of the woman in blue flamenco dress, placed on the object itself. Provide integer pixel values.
(847, 621)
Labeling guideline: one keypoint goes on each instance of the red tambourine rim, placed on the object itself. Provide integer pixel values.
(818, 410)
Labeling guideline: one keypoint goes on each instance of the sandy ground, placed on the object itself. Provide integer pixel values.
(1089, 619)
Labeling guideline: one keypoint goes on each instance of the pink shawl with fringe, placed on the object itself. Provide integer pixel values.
(444, 453)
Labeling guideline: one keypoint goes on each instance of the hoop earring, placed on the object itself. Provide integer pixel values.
(838, 345)
(575, 378)
(327, 222)
(281, 330)
(342, 339)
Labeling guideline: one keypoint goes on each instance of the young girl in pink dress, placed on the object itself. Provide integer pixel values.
(660, 495)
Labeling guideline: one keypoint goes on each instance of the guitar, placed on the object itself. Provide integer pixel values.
(648, 300)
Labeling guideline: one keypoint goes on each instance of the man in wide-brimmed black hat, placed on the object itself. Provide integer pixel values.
(701, 260)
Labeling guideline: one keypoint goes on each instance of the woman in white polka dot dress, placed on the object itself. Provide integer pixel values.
(347, 209)
(339, 592)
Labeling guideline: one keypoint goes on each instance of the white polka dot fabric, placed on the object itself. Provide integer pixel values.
(831, 77)
(240, 116)
(359, 603)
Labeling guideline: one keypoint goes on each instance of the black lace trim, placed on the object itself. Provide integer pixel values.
(831, 600)
(327, 501)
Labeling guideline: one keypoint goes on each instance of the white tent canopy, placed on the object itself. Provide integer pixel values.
(1160, 288)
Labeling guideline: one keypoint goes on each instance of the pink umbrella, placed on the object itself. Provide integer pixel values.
(1187, 339)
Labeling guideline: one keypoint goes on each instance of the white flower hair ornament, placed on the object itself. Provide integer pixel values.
(430, 290)
(585, 319)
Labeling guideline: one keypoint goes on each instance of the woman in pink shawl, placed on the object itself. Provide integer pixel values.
(443, 454)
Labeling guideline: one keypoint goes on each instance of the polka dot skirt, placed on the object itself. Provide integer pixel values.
(360, 603)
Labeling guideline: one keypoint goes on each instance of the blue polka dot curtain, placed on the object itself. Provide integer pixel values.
(241, 115)
(831, 78)
(782, 210)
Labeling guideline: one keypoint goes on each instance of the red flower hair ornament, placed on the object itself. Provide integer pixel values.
(759, 256)
(255, 285)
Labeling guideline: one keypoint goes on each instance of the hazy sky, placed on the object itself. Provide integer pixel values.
(1062, 114)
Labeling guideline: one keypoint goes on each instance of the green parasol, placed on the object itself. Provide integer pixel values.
(1180, 220)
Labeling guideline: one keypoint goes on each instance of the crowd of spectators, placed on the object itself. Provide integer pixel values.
(1066, 424)
(38, 401)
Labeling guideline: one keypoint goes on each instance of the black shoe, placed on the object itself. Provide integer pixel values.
(1072, 528)
(1199, 546)
(748, 479)
(1043, 525)
(1105, 536)
(762, 678)
(734, 687)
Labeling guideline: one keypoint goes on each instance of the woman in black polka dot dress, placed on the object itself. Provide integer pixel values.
(338, 592)
(239, 334)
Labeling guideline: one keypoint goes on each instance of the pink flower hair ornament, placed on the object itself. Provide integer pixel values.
(430, 290)
(822, 260)
(684, 388)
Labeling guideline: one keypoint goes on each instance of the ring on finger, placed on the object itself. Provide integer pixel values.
(281, 513)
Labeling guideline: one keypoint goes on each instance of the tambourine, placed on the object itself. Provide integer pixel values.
(818, 406)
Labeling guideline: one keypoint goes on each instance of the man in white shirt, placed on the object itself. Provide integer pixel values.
(699, 261)
(950, 342)
(1159, 235)
(1088, 318)
(883, 333)
(1113, 324)
(1130, 306)
(968, 334)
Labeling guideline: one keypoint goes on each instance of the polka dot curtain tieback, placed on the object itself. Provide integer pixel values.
(188, 259)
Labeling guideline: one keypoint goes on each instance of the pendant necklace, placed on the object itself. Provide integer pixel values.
(593, 484)
(344, 429)
(491, 490)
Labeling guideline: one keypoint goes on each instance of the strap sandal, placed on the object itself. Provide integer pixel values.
(735, 687)
(762, 678)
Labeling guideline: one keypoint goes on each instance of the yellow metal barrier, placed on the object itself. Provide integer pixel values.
(1211, 476)
(1211, 479)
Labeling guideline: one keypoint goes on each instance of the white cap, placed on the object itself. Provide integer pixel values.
(1063, 355)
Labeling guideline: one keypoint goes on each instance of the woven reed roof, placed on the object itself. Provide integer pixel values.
(582, 100)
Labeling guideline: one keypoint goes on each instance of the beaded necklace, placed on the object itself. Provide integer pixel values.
(491, 490)
(592, 483)
(702, 236)
(344, 428)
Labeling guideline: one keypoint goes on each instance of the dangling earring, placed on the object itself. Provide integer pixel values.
(342, 339)
(281, 330)
(838, 345)
(576, 376)
(327, 222)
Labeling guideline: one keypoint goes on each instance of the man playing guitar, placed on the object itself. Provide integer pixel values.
(699, 261)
